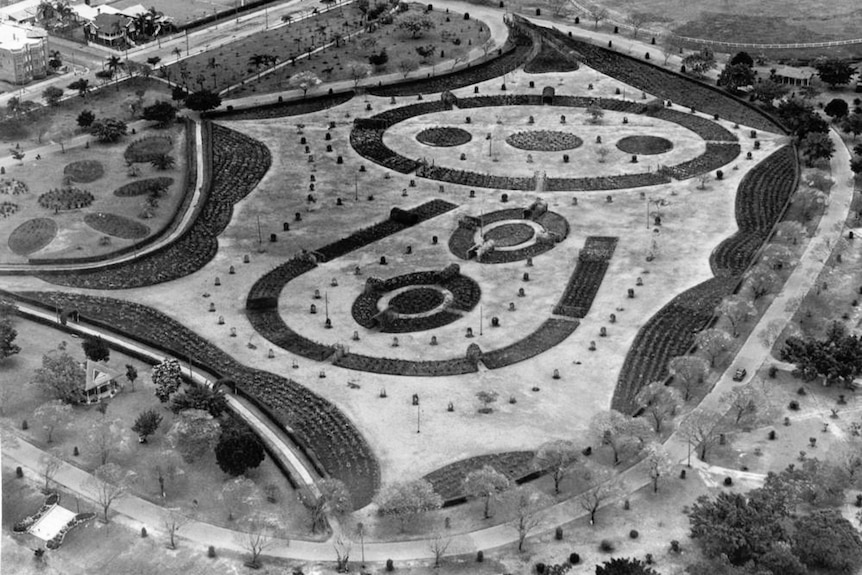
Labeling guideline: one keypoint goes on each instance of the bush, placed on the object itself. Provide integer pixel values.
(606, 546)
(728, 481)
(773, 371)
(24, 425)
(558, 533)
(574, 558)
(772, 435)
(674, 546)
(390, 566)
(480, 556)
(19, 473)
(801, 391)
(633, 534)
(211, 552)
(793, 405)
(540, 568)
(143, 531)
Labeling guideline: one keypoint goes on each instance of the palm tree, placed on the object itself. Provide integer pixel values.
(258, 60)
(153, 61)
(114, 63)
(45, 11)
(178, 52)
(213, 65)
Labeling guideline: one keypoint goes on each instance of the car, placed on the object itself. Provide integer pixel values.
(740, 374)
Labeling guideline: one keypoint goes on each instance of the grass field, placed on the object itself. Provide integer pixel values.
(188, 10)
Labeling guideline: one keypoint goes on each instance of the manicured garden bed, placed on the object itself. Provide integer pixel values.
(12, 187)
(586, 279)
(463, 240)
(32, 236)
(544, 141)
(146, 150)
(144, 187)
(416, 300)
(284, 109)
(63, 199)
(448, 481)
(510, 234)
(644, 145)
(116, 226)
(549, 60)
(84, 171)
(551, 333)
(444, 137)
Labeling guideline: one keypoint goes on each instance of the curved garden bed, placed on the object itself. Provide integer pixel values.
(32, 236)
(116, 226)
(544, 141)
(144, 187)
(444, 137)
(510, 234)
(462, 242)
(448, 481)
(84, 171)
(644, 145)
(146, 150)
(62, 199)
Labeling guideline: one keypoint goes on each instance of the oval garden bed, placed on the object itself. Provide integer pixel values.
(510, 234)
(544, 141)
(446, 137)
(644, 145)
(507, 236)
(147, 149)
(144, 187)
(417, 300)
(85, 171)
(32, 236)
(116, 226)
(60, 199)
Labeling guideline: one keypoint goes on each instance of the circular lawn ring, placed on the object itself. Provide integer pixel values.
(116, 226)
(143, 187)
(510, 234)
(544, 141)
(147, 149)
(32, 236)
(644, 145)
(417, 300)
(444, 137)
(85, 171)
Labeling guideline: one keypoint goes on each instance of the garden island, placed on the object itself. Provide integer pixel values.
(458, 287)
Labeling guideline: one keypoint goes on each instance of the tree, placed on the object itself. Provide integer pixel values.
(8, 347)
(743, 402)
(379, 59)
(598, 14)
(659, 464)
(837, 108)
(82, 86)
(146, 424)
(817, 146)
(108, 130)
(203, 101)
(790, 232)
(824, 539)
(737, 310)
(209, 399)
(701, 429)
(259, 532)
(557, 457)
(163, 162)
(304, 81)
(778, 256)
(659, 403)
(602, 485)
(334, 499)
(173, 520)
(780, 559)
(50, 464)
(54, 416)
(61, 376)
(524, 504)
(342, 547)
(736, 76)
(107, 437)
(195, 434)
(109, 483)
(835, 358)
(834, 72)
(52, 95)
(485, 483)
(852, 124)
(238, 450)
(735, 525)
(163, 113)
(768, 91)
(416, 24)
(239, 495)
(486, 398)
(259, 61)
(743, 58)
(438, 544)
(167, 377)
(131, 375)
(595, 113)
(95, 348)
(800, 118)
(809, 201)
(114, 63)
(712, 343)
(624, 566)
(699, 63)
(406, 500)
(86, 118)
(406, 66)
(637, 20)
(760, 280)
(688, 373)
(625, 435)
(856, 165)
(426, 51)
(358, 71)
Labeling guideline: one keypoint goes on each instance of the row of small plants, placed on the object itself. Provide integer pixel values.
(548, 60)
(706, 129)
(238, 164)
(368, 143)
(448, 481)
(63, 199)
(468, 178)
(551, 333)
(12, 187)
(406, 367)
(145, 150)
(587, 276)
(144, 187)
(283, 109)
(760, 200)
(318, 427)
(78, 519)
(715, 156)
(616, 182)
(667, 334)
(116, 226)
(51, 501)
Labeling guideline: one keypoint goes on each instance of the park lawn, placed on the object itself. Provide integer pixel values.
(335, 63)
(186, 11)
(46, 124)
(197, 488)
(74, 237)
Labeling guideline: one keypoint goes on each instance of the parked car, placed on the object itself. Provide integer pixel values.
(740, 374)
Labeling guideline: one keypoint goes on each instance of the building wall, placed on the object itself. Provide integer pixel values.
(25, 63)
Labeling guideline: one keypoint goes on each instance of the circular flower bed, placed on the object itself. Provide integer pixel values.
(85, 171)
(143, 187)
(416, 300)
(644, 145)
(32, 236)
(117, 226)
(444, 137)
(8, 208)
(510, 234)
(146, 150)
(66, 199)
(544, 141)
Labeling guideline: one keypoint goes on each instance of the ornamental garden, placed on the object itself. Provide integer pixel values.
(537, 270)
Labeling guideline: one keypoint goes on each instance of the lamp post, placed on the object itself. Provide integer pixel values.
(418, 416)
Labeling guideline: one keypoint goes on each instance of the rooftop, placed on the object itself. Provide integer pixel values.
(15, 36)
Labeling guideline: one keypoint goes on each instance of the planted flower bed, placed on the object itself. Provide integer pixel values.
(548, 60)
(32, 236)
(79, 519)
(50, 502)
(448, 480)
(144, 187)
(644, 145)
(463, 239)
(587, 277)
(417, 300)
(544, 141)
(317, 426)
(715, 156)
(117, 226)
(706, 129)
(13, 187)
(406, 367)
(618, 182)
(284, 109)
(444, 137)
(510, 234)
(8, 209)
(62, 199)
(552, 332)
(145, 150)
(84, 171)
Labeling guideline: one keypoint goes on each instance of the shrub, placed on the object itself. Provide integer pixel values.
(211, 552)
(19, 473)
(606, 546)
(558, 534)
(674, 546)
(480, 556)
(574, 558)
(728, 481)
(773, 371)
(633, 534)
(793, 405)
(801, 391)
(24, 425)
(390, 566)
(540, 567)
(143, 531)
(772, 435)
